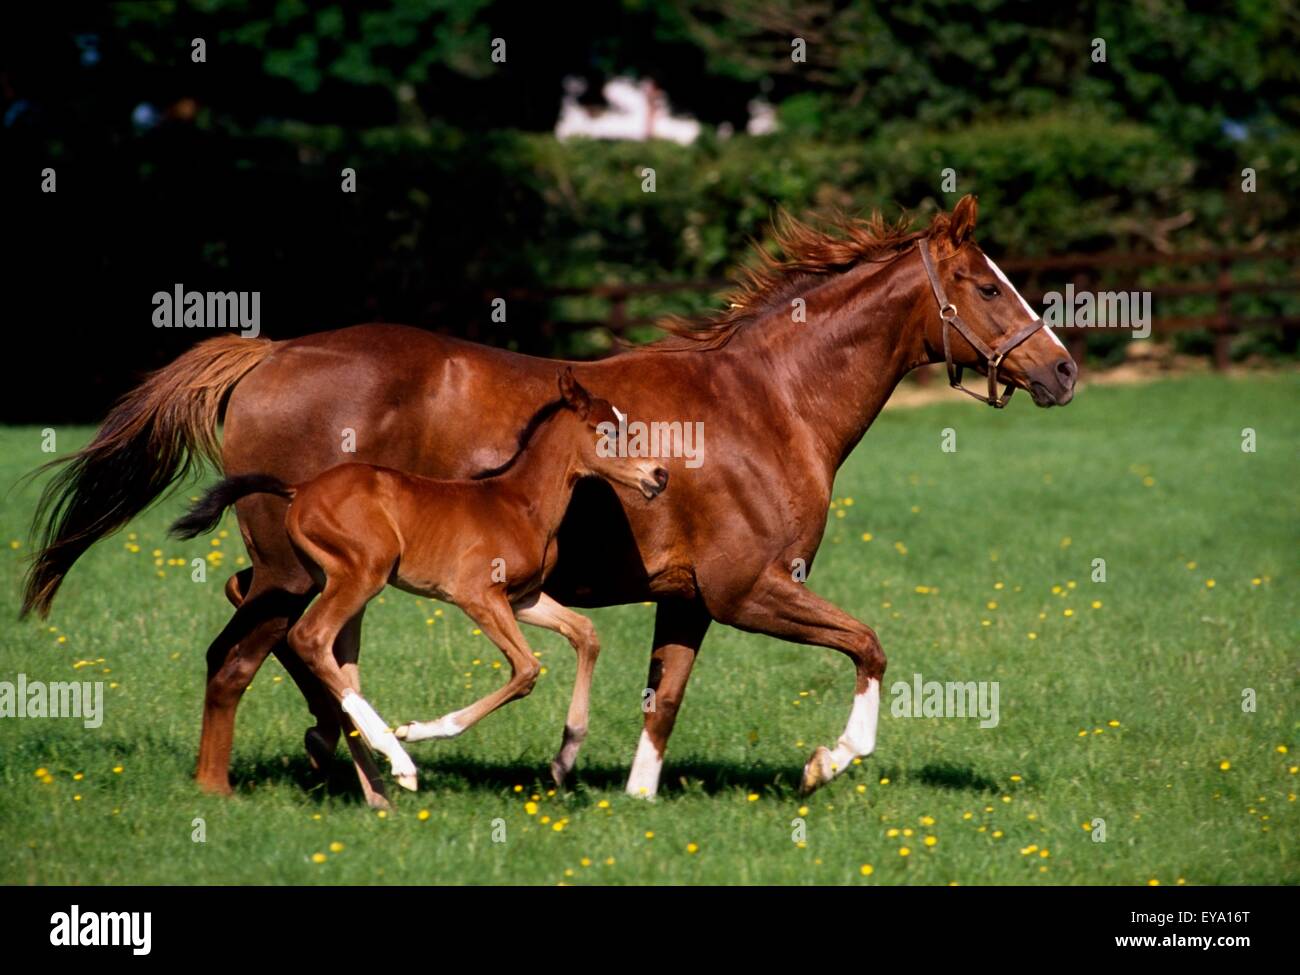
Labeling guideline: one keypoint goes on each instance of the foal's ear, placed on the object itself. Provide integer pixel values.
(573, 393)
(962, 222)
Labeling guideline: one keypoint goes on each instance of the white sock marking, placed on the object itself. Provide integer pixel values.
(644, 780)
(445, 727)
(859, 738)
(376, 733)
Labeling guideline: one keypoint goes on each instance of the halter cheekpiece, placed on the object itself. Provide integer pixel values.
(993, 355)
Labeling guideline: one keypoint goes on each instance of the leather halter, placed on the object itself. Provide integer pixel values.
(993, 355)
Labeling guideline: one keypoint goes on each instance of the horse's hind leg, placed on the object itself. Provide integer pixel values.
(238, 585)
(234, 657)
(781, 607)
(313, 639)
(322, 739)
(347, 650)
(541, 610)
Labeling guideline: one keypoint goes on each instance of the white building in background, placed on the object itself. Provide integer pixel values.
(639, 110)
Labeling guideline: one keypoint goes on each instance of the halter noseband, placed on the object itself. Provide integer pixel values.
(993, 355)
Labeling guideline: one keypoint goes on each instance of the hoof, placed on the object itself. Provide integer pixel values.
(377, 800)
(817, 772)
(558, 774)
(319, 752)
(217, 787)
(401, 730)
(408, 782)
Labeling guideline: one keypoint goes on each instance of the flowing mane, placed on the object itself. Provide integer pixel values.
(808, 250)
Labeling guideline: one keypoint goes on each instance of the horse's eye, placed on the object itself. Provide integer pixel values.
(989, 290)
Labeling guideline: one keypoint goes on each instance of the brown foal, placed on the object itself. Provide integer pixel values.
(485, 544)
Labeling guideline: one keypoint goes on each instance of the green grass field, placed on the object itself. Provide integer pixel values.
(1119, 701)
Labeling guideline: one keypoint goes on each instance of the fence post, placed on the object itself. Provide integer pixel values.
(1076, 342)
(618, 312)
(1223, 328)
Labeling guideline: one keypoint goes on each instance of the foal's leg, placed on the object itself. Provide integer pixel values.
(312, 638)
(680, 626)
(541, 610)
(347, 649)
(323, 738)
(781, 607)
(495, 617)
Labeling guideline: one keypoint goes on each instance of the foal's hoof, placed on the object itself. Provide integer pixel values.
(401, 731)
(559, 774)
(817, 772)
(377, 800)
(408, 782)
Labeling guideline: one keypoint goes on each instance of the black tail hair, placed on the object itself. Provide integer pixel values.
(206, 512)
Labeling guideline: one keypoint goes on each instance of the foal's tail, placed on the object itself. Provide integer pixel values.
(206, 512)
(151, 439)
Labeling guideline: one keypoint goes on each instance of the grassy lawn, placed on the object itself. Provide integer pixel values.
(1119, 700)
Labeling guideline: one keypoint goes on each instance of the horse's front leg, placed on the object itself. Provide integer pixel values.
(680, 626)
(779, 606)
(539, 609)
(495, 616)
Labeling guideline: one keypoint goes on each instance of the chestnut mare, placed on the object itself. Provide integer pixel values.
(485, 545)
(783, 403)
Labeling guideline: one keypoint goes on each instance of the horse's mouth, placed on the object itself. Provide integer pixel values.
(1043, 396)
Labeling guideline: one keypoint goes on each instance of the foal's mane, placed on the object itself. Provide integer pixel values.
(830, 246)
(543, 414)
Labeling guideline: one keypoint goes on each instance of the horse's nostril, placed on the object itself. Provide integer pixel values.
(1067, 370)
(661, 477)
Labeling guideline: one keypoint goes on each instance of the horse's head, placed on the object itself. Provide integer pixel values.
(979, 320)
(598, 445)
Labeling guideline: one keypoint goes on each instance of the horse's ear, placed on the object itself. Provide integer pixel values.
(573, 393)
(962, 223)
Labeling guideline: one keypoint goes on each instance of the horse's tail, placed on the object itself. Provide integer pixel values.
(151, 439)
(206, 512)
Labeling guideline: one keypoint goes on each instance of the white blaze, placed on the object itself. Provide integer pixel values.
(1033, 315)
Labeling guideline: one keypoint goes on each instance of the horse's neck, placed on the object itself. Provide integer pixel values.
(837, 369)
(543, 474)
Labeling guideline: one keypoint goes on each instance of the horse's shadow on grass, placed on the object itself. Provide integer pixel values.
(338, 782)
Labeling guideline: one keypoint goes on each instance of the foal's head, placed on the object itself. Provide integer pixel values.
(994, 312)
(597, 452)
